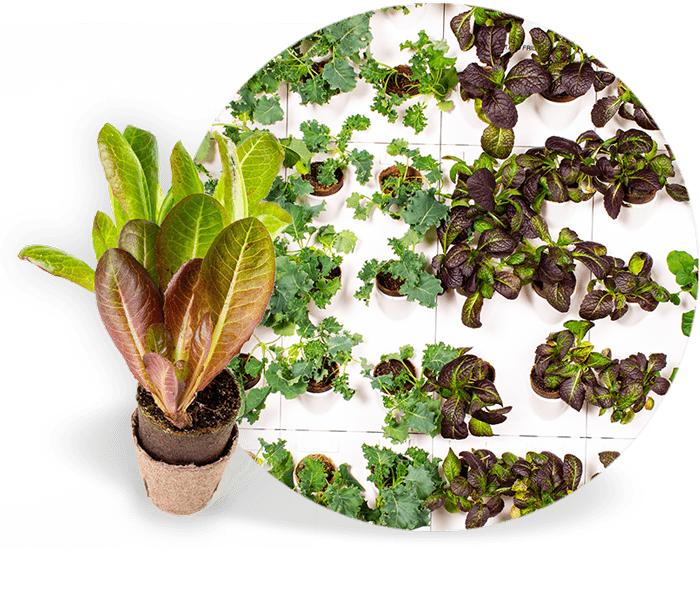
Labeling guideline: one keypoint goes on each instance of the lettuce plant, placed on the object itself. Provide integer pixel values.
(404, 481)
(625, 104)
(466, 32)
(182, 280)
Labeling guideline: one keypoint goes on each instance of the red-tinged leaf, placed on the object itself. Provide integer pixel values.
(490, 44)
(139, 237)
(596, 305)
(527, 77)
(200, 347)
(500, 109)
(236, 282)
(471, 310)
(181, 315)
(612, 200)
(477, 516)
(163, 376)
(577, 78)
(604, 110)
(573, 469)
(481, 186)
(187, 232)
(129, 303)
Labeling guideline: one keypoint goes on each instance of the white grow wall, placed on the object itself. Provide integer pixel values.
(511, 329)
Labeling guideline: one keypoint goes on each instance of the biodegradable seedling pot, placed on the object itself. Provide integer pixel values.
(329, 466)
(326, 384)
(181, 469)
(540, 389)
(389, 285)
(401, 83)
(320, 189)
(395, 367)
(412, 175)
(248, 381)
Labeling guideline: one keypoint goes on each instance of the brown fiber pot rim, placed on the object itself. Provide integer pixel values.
(541, 390)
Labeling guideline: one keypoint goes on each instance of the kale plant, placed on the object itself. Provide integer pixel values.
(685, 269)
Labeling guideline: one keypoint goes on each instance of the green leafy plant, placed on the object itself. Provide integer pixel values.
(317, 139)
(408, 190)
(542, 479)
(497, 90)
(410, 406)
(408, 270)
(685, 269)
(322, 355)
(476, 483)
(309, 259)
(609, 295)
(430, 73)
(178, 299)
(572, 71)
(404, 481)
(337, 490)
(278, 460)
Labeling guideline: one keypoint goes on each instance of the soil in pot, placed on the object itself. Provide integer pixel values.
(321, 189)
(389, 285)
(213, 414)
(558, 98)
(401, 82)
(248, 381)
(326, 384)
(328, 465)
(639, 199)
(334, 273)
(537, 384)
(395, 367)
(412, 175)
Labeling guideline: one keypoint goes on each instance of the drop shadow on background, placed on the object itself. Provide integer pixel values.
(95, 442)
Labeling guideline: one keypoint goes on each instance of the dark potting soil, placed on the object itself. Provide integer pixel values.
(401, 83)
(215, 405)
(312, 177)
(386, 280)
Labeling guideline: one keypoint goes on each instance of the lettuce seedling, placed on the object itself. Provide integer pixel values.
(181, 296)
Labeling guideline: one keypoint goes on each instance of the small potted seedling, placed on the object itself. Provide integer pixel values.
(565, 365)
(404, 481)
(327, 176)
(413, 181)
(429, 72)
(628, 383)
(406, 275)
(179, 299)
